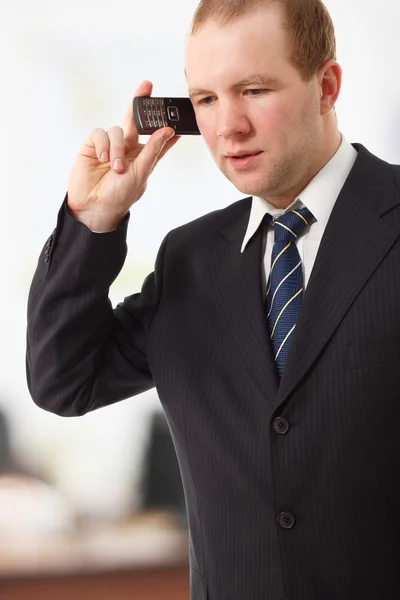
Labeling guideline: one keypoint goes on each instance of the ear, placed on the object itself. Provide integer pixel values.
(330, 77)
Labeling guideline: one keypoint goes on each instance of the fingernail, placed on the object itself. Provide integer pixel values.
(118, 164)
(104, 156)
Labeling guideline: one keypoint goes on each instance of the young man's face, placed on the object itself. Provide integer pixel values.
(278, 119)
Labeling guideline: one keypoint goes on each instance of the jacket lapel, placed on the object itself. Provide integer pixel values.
(237, 288)
(354, 243)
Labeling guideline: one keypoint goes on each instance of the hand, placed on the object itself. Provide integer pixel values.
(111, 170)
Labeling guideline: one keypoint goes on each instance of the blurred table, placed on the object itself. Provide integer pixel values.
(140, 584)
(141, 560)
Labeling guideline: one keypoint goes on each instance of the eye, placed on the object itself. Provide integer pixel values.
(255, 92)
(206, 100)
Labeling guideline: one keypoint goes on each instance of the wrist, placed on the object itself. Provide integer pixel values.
(95, 221)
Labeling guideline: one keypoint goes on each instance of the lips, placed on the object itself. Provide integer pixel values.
(241, 154)
(243, 162)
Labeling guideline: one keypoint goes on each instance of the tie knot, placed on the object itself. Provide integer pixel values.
(289, 226)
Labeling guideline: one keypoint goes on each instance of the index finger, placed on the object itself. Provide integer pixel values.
(131, 135)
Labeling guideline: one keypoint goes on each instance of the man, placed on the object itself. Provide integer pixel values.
(270, 328)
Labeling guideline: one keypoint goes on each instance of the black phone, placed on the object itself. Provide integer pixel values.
(151, 114)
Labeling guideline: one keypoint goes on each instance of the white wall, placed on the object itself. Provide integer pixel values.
(68, 67)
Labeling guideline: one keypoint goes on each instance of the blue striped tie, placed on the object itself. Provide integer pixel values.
(285, 285)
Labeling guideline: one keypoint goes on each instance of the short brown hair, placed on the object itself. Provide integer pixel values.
(308, 22)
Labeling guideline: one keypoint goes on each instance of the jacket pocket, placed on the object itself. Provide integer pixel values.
(369, 354)
(198, 586)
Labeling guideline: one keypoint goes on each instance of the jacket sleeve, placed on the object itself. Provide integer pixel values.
(81, 353)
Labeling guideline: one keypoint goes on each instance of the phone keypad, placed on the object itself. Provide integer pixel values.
(155, 113)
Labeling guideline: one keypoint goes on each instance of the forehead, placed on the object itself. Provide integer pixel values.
(257, 42)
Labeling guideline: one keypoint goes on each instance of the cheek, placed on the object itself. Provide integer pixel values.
(208, 131)
(273, 119)
(278, 114)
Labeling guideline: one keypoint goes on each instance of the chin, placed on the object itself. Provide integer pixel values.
(250, 188)
(250, 183)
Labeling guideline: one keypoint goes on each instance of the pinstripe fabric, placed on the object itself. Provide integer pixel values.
(284, 292)
(197, 331)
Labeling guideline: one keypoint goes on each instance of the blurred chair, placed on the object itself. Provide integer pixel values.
(161, 479)
(7, 462)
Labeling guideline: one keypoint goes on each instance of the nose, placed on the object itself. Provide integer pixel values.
(231, 121)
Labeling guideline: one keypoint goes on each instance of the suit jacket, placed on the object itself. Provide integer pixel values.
(291, 487)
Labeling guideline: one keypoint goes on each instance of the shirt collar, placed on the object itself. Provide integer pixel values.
(319, 196)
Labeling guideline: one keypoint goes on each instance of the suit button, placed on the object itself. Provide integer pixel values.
(281, 425)
(286, 520)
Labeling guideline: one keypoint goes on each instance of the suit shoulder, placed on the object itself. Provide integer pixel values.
(206, 225)
(378, 163)
(394, 169)
(396, 174)
(376, 174)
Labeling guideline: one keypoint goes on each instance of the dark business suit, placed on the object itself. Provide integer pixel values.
(322, 447)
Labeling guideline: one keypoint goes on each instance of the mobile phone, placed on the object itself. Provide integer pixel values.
(151, 114)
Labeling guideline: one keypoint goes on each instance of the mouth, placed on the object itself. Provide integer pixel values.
(243, 154)
(242, 160)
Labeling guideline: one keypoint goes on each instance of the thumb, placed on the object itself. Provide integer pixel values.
(147, 159)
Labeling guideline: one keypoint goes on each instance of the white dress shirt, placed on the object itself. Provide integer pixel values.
(319, 197)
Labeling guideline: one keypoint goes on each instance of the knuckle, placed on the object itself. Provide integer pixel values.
(114, 130)
(116, 137)
(117, 152)
(98, 136)
(99, 139)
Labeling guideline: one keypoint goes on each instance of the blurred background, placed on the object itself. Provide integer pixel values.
(100, 496)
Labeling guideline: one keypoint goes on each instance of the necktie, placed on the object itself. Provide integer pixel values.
(285, 285)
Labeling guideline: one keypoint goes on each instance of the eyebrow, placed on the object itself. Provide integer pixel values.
(252, 80)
